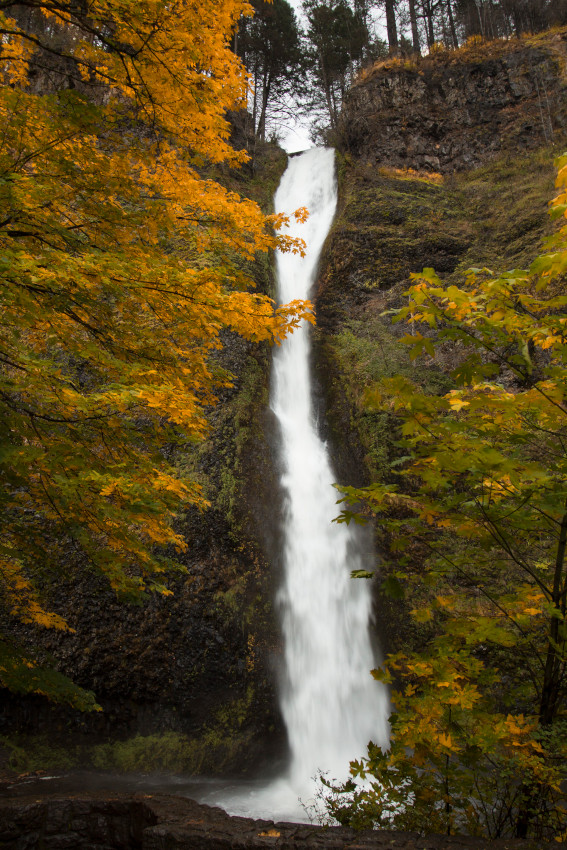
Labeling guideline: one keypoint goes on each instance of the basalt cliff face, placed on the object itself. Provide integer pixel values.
(455, 110)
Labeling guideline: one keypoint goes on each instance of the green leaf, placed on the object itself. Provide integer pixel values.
(392, 588)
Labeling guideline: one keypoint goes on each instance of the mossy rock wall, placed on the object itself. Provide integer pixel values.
(392, 223)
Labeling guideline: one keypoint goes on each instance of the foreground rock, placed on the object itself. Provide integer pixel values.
(161, 822)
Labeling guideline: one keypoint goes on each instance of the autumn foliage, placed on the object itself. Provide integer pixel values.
(120, 267)
(479, 729)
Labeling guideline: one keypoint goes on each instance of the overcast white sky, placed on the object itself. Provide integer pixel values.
(297, 137)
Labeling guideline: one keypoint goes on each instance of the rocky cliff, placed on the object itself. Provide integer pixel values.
(454, 110)
(391, 224)
(447, 163)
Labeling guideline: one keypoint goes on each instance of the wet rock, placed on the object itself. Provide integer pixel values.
(160, 822)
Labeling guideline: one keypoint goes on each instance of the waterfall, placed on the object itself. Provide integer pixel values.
(332, 707)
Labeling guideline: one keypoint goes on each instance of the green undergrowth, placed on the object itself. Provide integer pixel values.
(217, 749)
(238, 424)
(31, 754)
(170, 752)
(389, 223)
(368, 352)
(506, 204)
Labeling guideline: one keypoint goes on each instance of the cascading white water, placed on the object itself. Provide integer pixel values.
(331, 705)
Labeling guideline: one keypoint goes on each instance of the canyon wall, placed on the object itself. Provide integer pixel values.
(454, 110)
(202, 665)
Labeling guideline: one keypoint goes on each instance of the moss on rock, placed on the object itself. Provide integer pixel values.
(390, 224)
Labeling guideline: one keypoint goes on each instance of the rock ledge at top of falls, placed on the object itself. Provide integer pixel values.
(454, 110)
(163, 822)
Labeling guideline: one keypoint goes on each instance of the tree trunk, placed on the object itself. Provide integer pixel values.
(517, 21)
(452, 25)
(327, 88)
(446, 40)
(554, 668)
(266, 84)
(414, 30)
(391, 27)
(361, 9)
(430, 32)
(555, 658)
(427, 7)
(255, 100)
(480, 24)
